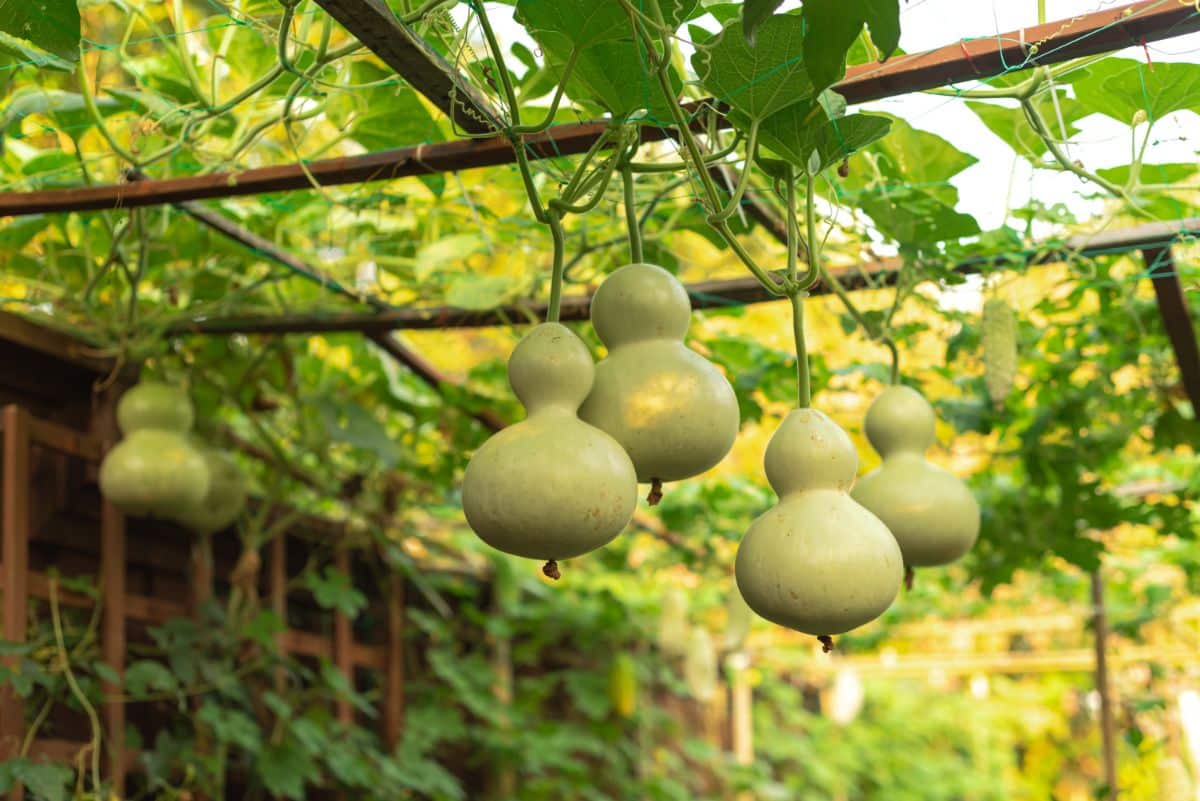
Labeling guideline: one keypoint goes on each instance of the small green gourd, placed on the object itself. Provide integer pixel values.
(930, 512)
(700, 666)
(622, 685)
(551, 486)
(669, 407)
(673, 622)
(155, 470)
(998, 335)
(817, 562)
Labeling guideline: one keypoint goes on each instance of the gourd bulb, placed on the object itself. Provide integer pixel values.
(154, 472)
(817, 561)
(673, 622)
(153, 405)
(673, 412)
(551, 486)
(700, 666)
(224, 501)
(998, 335)
(929, 511)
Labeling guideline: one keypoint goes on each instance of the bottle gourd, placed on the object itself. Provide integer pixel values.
(552, 486)
(673, 412)
(817, 562)
(224, 501)
(155, 470)
(931, 513)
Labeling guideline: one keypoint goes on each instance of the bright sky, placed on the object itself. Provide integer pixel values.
(927, 24)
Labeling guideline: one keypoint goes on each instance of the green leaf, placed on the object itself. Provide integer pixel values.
(832, 26)
(332, 589)
(613, 76)
(1121, 87)
(754, 13)
(1173, 173)
(66, 109)
(436, 256)
(148, 677)
(349, 423)
(49, 781)
(805, 137)
(382, 116)
(231, 726)
(480, 292)
(916, 219)
(45, 32)
(760, 80)
(561, 25)
(1009, 123)
(285, 769)
(910, 156)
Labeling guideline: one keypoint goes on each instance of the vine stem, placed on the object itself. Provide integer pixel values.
(796, 292)
(631, 217)
(76, 690)
(556, 274)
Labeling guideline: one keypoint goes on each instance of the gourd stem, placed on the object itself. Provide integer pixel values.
(555, 101)
(894, 376)
(803, 385)
(556, 274)
(631, 217)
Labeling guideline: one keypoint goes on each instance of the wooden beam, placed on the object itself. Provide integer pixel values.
(1087, 34)
(14, 570)
(398, 46)
(1172, 306)
(1108, 726)
(705, 294)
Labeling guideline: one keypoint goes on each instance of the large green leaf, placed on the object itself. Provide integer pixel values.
(832, 26)
(612, 76)
(41, 32)
(1121, 87)
(797, 132)
(66, 109)
(384, 116)
(911, 156)
(1009, 123)
(1173, 173)
(916, 219)
(754, 13)
(561, 25)
(760, 79)
(479, 292)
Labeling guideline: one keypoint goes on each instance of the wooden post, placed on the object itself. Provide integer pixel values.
(112, 579)
(1107, 726)
(277, 579)
(14, 561)
(393, 688)
(502, 781)
(343, 644)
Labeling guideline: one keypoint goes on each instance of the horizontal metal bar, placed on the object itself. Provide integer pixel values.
(704, 294)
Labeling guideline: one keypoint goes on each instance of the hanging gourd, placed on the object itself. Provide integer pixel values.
(550, 487)
(931, 513)
(738, 620)
(224, 501)
(817, 562)
(622, 685)
(155, 470)
(998, 336)
(673, 412)
(700, 666)
(673, 623)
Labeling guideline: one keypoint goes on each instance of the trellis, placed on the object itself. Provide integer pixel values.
(402, 50)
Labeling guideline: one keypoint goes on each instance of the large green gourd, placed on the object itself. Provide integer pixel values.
(551, 486)
(224, 501)
(817, 562)
(155, 470)
(931, 513)
(673, 412)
